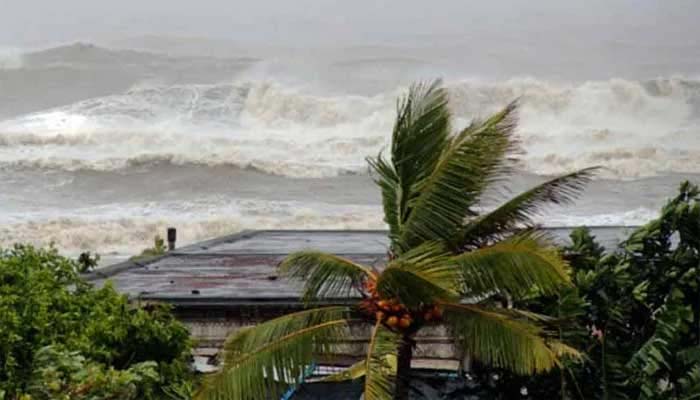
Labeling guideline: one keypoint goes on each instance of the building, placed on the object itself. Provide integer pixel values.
(221, 285)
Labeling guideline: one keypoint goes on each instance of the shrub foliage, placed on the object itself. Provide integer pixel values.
(635, 312)
(54, 327)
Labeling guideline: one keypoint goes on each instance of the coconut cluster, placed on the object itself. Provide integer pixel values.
(394, 314)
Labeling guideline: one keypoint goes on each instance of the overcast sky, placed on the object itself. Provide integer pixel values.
(301, 22)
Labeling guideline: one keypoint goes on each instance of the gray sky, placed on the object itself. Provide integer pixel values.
(304, 22)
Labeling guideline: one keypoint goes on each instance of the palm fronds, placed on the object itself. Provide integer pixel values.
(324, 274)
(393, 196)
(498, 339)
(414, 287)
(266, 359)
(421, 276)
(420, 132)
(514, 266)
(380, 374)
(518, 212)
(428, 253)
(469, 162)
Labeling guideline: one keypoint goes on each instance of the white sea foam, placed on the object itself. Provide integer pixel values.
(632, 128)
(635, 217)
(260, 125)
(124, 228)
(10, 58)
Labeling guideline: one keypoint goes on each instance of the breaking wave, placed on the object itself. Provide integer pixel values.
(633, 128)
(123, 229)
(10, 58)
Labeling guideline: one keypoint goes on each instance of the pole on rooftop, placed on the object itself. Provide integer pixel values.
(172, 238)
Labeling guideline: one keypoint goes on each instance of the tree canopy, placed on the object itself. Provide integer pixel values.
(634, 310)
(54, 327)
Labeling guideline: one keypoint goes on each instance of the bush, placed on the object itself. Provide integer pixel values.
(158, 249)
(44, 302)
(65, 375)
(87, 262)
(635, 313)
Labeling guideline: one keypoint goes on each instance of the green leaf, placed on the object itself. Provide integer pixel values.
(250, 339)
(469, 162)
(393, 195)
(518, 212)
(514, 266)
(657, 353)
(690, 383)
(414, 287)
(380, 372)
(494, 337)
(421, 276)
(268, 358)
(324, 275)
(420, 132)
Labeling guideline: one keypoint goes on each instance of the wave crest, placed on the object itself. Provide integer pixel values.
(105, 229)
(633, 128)
(10, 59)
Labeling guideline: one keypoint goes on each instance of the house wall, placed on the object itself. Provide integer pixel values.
(210, 328)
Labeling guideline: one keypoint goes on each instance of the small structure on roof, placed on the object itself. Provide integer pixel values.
(224, 284)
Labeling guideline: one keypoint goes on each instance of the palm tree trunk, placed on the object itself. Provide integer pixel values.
(403, 369)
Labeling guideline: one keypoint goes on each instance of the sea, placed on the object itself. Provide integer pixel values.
(105, 145)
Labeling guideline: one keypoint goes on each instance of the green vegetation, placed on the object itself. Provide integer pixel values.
(87, 262)
(61, 375)
(60, 335)
(443, 252)
(635, 312)
(158, 249)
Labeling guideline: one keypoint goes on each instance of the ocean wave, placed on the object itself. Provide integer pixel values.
(635, 217)
(291, 169)
(107, 231)
(632, 128)
(10, 58)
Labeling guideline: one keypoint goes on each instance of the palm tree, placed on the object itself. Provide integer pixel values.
(446, 264)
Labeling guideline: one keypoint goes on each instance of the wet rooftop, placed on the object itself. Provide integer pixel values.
(242, 268)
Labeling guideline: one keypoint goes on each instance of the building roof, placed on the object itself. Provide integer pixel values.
(242, 268)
